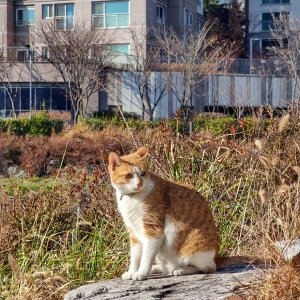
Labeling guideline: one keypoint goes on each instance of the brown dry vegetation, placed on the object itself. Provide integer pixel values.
(59, 238)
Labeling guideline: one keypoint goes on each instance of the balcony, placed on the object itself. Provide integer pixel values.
(25, 22)
(110, 20)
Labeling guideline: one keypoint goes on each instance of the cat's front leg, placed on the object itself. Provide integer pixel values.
(150, 249)
(135, 258)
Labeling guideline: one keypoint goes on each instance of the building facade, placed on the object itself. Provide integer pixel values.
(117, 18)
(262, 15)
(18, 17)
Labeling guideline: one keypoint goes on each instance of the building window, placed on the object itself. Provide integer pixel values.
(188, 18)
(25, 16)
(47, 11)
(160, 14)
(267, 45)
(199, 26)
(269, 20)
(275, 2)
(118, 49)
(45, 53)
(22, 55)
(199, 3)
(112, 14)
(64, 16)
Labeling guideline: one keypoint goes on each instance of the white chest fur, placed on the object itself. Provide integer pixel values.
(132, 211)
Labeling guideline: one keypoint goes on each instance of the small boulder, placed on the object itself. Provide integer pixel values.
(218, 286)
(16, 171)
(290, 250)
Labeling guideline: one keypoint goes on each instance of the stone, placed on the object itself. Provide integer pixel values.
(52, 166)
(16, 171)
(289, 249)
(217, 286)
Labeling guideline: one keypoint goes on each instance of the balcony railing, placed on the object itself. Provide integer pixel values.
(110, 20)
(64, 23)
(24, 22)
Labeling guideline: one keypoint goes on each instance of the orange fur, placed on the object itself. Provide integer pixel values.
(180, 205)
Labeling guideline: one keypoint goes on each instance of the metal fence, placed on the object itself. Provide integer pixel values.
(253, 67)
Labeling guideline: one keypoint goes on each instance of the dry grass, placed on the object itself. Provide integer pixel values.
(252, 184)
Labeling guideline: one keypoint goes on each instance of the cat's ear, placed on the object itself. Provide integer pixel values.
(114, 160)
(142, 152)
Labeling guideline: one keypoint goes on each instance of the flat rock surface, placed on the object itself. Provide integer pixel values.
(216, 286)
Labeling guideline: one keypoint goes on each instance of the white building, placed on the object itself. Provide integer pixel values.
(261, 15)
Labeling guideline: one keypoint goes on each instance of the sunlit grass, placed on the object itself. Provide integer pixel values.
(65, 232)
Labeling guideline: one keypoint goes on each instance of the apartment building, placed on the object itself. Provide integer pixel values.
(116, 17)
(261, 16)
(19, 16)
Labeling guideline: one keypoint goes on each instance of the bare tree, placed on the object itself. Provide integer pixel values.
(145, 66)
(192, 58)
(81, 58)
(9, 71)
(286, 49)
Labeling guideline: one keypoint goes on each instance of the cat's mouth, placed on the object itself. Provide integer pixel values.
(138, 189)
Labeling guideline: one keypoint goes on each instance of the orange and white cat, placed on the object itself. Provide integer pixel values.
(167, 222)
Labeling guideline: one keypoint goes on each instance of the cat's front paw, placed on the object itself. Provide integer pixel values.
(127, 276)
(139, 276)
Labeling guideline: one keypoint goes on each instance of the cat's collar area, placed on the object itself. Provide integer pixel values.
(122, 195)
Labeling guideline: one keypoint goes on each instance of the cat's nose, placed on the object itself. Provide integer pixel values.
(140, 183)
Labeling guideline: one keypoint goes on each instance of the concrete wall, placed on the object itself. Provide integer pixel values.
(6, 23)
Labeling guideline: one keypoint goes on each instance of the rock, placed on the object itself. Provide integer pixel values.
(52, 166)
(218, 286)
(16, 171)
(289, 249)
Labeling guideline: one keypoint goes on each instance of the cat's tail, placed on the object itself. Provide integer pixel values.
(223, 261)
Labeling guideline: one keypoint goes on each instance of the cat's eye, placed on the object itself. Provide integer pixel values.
(143, 174)
(128, 176)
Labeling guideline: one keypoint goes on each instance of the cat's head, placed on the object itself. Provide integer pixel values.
(129, 173)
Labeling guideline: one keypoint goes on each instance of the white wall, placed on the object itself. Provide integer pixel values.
(230, 90)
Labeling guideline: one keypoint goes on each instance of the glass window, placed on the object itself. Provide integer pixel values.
(13, 94)
(25, 102)
(70, 10)
(60, 10)
(269, 20)
(22, 55)
(160, 14)
(45, 53)
(117, 7)
(119, 48)
(47, 11)
(25, 16)
(64, 16)
(2, 99)
(110, 14)
(43, 98)
(188, 18)
(58, 99)
(98, 8)
(275, 1)
(8, 102)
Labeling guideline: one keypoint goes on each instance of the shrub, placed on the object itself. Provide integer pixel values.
(40, 124)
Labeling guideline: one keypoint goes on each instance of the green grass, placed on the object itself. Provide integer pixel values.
(11, 185)
(67, 232)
